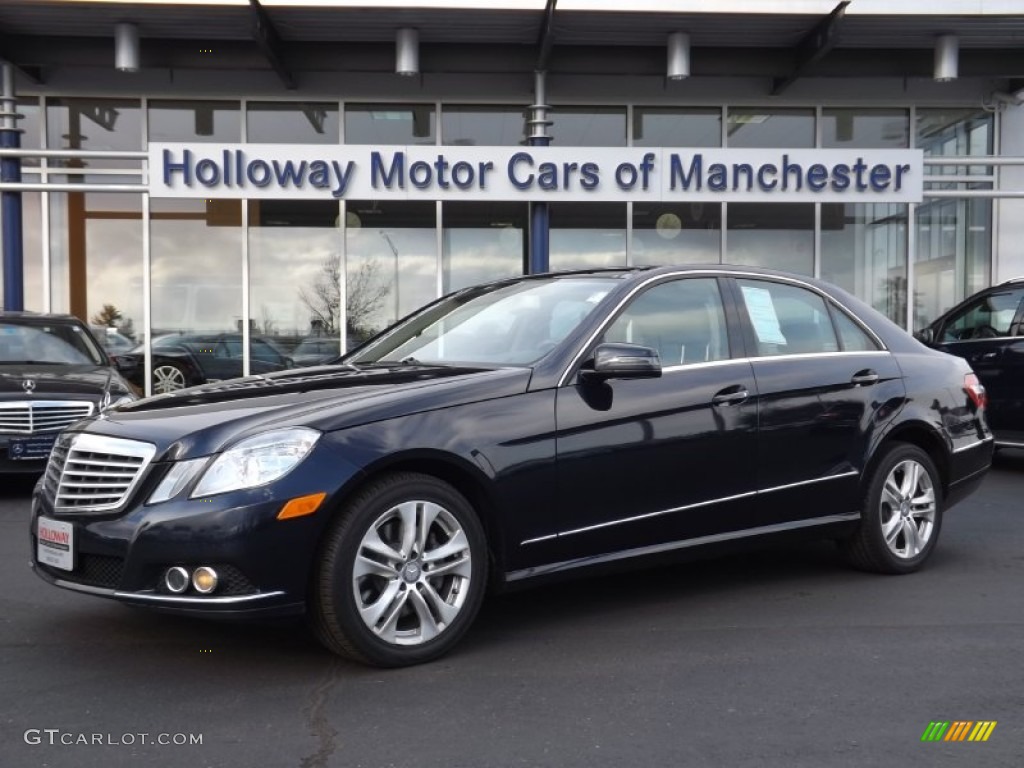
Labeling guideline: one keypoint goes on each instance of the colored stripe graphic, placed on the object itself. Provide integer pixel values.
(958, 730)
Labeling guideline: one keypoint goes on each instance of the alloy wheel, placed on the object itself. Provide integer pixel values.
(908, 509)
(412, 573)
(167, 378)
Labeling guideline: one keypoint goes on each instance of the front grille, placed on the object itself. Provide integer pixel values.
(93, 473)
(37, 417)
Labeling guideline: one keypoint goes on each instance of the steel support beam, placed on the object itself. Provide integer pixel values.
(814, 47)
(269, 42)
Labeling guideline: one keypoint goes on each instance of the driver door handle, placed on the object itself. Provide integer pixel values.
(733, 395)
(864, 378)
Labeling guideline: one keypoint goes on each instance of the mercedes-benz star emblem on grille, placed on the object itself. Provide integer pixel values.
(29, 385)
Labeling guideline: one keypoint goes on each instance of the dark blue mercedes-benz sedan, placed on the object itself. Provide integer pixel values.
(514, 431)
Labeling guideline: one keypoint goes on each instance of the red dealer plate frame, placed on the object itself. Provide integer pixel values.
(55, 544)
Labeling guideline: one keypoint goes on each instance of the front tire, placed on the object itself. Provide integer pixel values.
(901, 513)
(401, 574)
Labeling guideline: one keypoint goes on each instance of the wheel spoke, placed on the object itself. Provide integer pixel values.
(911, 475)
(456, 545)
(446, 611)
(910, 538)
(428, 624)
(409, 513)
(373, 612)
(374, 543)
(428, 513)
(891, 529)
(461, 567)
(891, 495)
(366, 566)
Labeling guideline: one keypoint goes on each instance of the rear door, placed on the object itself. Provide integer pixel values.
(822, 379)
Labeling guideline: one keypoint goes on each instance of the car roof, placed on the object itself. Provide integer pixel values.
(38, 317)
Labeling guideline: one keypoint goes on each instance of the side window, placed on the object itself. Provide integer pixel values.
(787, 319)
(986, 318)
(852, 336)
(264, 352)
(683, 320)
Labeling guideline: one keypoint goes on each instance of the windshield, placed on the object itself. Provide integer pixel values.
(57, 344)
(511, 324)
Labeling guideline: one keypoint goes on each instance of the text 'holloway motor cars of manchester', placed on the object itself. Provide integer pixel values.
(511, 432)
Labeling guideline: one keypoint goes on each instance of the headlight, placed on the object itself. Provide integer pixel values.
(257, 460)
(176, 479)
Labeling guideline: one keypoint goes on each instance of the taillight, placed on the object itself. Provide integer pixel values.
(975, 390)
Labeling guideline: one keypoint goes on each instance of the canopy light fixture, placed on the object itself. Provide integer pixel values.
(678, 56)
(407, 52)
(947, 58)
(126, 47)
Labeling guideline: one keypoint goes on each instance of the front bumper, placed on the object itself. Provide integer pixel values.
(264, 564)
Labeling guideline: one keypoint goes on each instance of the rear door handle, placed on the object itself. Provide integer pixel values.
(733, 395)
(864, 378)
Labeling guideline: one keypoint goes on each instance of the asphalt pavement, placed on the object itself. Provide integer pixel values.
(780, 658)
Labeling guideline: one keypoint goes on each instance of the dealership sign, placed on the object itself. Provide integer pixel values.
(535, 173)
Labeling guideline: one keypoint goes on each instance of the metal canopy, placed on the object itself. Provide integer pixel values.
(55, 34)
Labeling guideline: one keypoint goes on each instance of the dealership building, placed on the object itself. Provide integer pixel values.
(280, 170)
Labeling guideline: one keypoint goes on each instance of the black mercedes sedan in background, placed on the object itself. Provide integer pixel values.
(52, 373)
(515, 431)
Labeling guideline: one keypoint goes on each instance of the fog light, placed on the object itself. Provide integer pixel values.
(176, 579)
(204, 580)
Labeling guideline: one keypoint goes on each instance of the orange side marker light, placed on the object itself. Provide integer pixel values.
(302, 506)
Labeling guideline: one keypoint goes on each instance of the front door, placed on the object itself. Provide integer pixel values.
(652, 461)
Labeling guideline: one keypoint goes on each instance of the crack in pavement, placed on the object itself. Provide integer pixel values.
(324, 735)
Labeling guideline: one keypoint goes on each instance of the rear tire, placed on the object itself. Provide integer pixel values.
(901, 513)
(401, 573)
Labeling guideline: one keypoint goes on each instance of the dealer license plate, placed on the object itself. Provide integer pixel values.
(30, 448)
(55, 544)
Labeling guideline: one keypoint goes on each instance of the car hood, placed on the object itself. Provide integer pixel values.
(203, 420)
(76, 381)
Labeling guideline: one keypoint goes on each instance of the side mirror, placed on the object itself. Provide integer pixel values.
(926, 335)
(623, 361)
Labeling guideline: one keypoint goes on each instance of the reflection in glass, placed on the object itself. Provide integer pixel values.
(864, 250)
(294, 275)
(482, 242)
(391, 269)
(867, 128)
(197, 266)
(663, 127)
(96, 257)
(955, 131)
(680, 233)
(389, 124)
(277, 122)
(194, 121)
(588, 126)
(95, 124)
(954, 254)
(773, 235)
(791, 128)
(587, 235)
(482, 125)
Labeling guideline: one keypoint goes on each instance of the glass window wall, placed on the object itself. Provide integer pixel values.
(587, 235)
(391, 262)
(588, 126)
(482, 242)
(277, 122)
(771, 235)
(663, 127)
(865, 128)
(194, 121)
(683, 233)
(390, 124)
(769, 128)
(483, 125)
